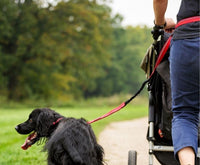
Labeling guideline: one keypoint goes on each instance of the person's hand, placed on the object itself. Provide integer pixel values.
(170, 25)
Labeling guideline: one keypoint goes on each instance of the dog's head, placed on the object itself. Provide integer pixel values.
(41, 123)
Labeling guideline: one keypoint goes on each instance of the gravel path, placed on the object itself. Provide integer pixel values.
(120, 137)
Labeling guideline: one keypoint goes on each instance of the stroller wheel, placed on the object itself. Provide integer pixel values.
(132, 157)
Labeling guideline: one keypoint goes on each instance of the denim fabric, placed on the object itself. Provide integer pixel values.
(184, 75)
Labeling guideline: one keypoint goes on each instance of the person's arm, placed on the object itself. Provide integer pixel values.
(160, 7)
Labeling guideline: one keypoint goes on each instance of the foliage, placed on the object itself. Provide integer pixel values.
(72, 50)
(124, 74)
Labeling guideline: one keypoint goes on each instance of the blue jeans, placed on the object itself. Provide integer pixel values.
(184, 75)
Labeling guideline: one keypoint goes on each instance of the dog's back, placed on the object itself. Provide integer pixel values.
(74, 143)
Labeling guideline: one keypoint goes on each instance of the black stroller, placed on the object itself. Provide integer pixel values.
(160, 115)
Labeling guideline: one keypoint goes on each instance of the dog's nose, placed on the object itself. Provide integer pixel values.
(17, 128)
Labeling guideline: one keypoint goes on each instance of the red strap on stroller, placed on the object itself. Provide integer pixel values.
(160, 57)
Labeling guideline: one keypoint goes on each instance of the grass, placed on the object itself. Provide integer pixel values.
(10, 141)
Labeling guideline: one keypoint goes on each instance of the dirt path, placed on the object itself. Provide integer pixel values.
(120, 137)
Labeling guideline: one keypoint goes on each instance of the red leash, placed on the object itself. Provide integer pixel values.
(108, 114)
(160, 57)
(188, 20)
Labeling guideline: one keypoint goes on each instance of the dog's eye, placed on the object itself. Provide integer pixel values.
(30, 120)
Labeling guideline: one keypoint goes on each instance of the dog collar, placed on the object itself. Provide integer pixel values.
(57, 121)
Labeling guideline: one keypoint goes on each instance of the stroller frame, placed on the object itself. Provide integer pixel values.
(151, 132)
(153, 148)
(157, 148)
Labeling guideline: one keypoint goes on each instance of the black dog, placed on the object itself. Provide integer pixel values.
(69, 141)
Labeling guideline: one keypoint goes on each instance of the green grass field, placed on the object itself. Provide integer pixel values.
(10, 141)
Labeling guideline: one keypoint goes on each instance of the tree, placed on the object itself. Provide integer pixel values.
(55, 51)
(124, 74)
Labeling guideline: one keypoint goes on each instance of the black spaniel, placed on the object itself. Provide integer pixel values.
(70, 141)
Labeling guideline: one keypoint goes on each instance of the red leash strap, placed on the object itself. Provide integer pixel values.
(188, 20)
(109, 113)
(160, 57)
(121, 105)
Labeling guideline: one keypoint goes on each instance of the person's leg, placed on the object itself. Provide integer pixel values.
(184, 74)
(185, 135)
(186, 156)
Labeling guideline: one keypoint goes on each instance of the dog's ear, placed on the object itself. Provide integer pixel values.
(44, 122)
